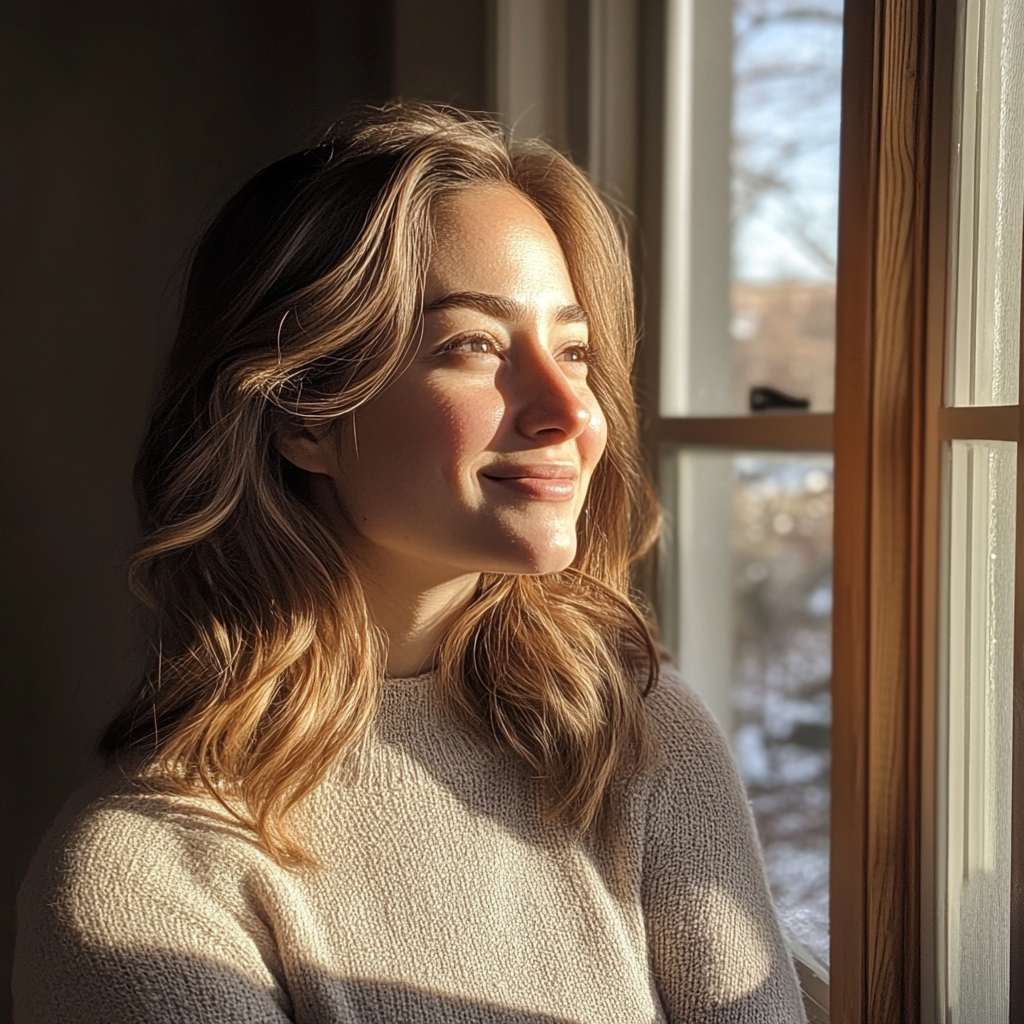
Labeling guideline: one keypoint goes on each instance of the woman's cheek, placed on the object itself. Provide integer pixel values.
(469, 421)
(593, 440)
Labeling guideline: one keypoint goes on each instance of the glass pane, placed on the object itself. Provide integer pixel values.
(747, 608)
(990, 211)
(751, 200)
(977, 740)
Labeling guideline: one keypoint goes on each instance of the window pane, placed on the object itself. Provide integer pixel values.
(752, 151)
(747, 607)
(977, 733)
(990, 210)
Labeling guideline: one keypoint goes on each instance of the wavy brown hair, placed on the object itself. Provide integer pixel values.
(303, 302)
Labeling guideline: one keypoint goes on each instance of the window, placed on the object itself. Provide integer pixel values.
(910, 476)
(968, 975)
(746, 377)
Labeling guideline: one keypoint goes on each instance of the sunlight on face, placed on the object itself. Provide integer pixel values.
(478, 457)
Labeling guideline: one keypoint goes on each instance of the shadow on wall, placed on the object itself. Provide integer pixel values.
(130, 123)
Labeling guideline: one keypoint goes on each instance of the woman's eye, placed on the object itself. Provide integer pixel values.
(479, 344)
(576, 354)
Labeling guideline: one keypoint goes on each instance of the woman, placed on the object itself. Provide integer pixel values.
(399, 755)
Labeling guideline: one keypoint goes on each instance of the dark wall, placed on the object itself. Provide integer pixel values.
(124, 126)
(442, 51)
(355, 40)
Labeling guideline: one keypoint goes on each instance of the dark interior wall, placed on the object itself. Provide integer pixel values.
(442, 51)
(125, 125)
(355, 50)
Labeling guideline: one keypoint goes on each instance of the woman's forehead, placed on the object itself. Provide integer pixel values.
(493, 240)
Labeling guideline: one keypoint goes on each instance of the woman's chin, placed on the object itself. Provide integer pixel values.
(541, 559)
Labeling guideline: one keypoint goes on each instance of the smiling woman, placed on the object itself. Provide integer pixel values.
(478, 457)
(400, 755)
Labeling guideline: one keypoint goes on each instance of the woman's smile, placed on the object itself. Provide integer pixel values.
(543, 481)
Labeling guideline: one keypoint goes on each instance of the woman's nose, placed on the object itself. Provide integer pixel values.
(549, 407)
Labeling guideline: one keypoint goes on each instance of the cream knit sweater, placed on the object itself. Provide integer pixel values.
(442, 897)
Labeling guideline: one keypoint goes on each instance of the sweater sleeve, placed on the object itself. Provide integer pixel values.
(715, 943)
(120, 923)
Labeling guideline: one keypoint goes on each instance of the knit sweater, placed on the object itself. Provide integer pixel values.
(441, 896)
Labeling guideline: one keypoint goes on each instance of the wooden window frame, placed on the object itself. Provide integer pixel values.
(882, 648)
(890, 313)
(892, 434)
(889, 435)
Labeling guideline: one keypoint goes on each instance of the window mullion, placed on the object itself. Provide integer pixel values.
(803, 432)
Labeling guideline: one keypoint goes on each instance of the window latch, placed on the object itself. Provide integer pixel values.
(765, 399)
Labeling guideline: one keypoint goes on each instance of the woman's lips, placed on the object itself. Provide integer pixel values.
(541, 481)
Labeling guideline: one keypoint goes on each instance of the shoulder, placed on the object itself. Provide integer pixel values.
(120, 853)
(129, 900)
(686, 732)
(695, 788)
(676, 707)
(115, 821)
(716, 945)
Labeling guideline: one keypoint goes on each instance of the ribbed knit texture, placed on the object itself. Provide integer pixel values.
(442, 897)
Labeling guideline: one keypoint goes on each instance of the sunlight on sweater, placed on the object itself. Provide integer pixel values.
(740, 959)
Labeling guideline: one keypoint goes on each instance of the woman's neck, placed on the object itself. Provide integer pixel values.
(412, 602)
(415, 611)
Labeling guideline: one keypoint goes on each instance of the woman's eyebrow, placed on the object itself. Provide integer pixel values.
(502, 308)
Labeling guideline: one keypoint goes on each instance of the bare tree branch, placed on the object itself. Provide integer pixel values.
(778, 93)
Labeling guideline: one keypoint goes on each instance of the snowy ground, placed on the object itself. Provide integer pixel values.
(782, 556)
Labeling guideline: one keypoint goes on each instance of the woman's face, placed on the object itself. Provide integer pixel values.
(478, 457)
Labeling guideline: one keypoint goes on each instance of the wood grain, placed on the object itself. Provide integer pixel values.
(881, 307)
(892, 848)
(854, 293)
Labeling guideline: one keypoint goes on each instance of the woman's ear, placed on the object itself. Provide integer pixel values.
(309, 447)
